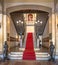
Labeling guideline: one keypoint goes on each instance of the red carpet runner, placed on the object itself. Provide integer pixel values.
(29, 53)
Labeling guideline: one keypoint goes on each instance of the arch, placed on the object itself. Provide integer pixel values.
(30, 7)
(27, 7)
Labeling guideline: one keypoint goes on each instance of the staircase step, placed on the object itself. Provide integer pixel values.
(42, 53)
(39, 55)
(21, 49)
(16, 52)
(42, 58)
(15, 55)
(12, 58)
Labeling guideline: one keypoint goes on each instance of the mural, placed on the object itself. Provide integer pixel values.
(30, 18)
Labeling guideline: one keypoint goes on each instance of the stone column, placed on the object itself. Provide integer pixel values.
(1, 27)
(2, 24)
(4, 21)
(56, 26)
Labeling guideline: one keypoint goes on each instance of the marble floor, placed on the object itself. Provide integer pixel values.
(28, 62)
(25, 62)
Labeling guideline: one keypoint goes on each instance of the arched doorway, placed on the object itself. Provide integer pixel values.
(36, 26)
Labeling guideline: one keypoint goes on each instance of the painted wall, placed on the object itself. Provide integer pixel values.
(46, 30)
(45, 37)
(11, 33)
(29, 29)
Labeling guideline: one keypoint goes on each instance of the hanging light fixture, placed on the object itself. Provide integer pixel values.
(22, 22)
(17, 22)
(36, 22)
(41, 22)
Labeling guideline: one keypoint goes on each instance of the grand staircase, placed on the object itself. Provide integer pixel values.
(29, 53)
(19, 55)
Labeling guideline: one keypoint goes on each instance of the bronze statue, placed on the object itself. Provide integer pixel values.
(52, 51)
(5, 51)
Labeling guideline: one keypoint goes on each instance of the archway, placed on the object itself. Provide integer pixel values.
(34, 8)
